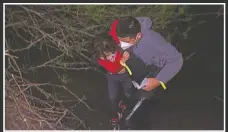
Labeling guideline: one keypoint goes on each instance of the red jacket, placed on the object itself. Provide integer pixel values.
(115, 66)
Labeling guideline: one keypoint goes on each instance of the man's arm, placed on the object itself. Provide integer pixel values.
(171, 68)
(173, 62)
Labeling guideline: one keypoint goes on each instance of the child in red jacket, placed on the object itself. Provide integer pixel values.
(118, 78)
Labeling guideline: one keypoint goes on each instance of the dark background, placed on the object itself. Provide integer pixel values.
(194, 98)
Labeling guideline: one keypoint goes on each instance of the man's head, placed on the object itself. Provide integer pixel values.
(128, 30)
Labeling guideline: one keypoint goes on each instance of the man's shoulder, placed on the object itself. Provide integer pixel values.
(154, 43)
(153, 38)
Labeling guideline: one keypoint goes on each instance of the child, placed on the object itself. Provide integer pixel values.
(117, 76)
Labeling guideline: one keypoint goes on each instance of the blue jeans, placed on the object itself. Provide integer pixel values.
(117, 84)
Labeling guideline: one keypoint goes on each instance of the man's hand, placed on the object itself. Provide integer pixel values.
(152, 83)
(125, 57)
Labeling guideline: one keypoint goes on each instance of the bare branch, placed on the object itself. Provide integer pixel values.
(189, 56)
(16, 24)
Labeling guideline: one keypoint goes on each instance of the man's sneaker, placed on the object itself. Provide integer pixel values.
(122, 106)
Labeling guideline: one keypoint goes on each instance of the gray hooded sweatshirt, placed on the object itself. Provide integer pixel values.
(155, 50)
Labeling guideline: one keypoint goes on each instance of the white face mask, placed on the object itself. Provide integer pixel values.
(125, 45)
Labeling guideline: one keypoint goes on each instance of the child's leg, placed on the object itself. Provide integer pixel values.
(113, 94)
(128, 90)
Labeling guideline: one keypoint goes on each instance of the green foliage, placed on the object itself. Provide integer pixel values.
(71, 29)
(161, 15)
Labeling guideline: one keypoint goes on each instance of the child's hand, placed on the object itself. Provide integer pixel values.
(125, 56)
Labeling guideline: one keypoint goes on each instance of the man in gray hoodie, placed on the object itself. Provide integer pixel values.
(151, 47)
